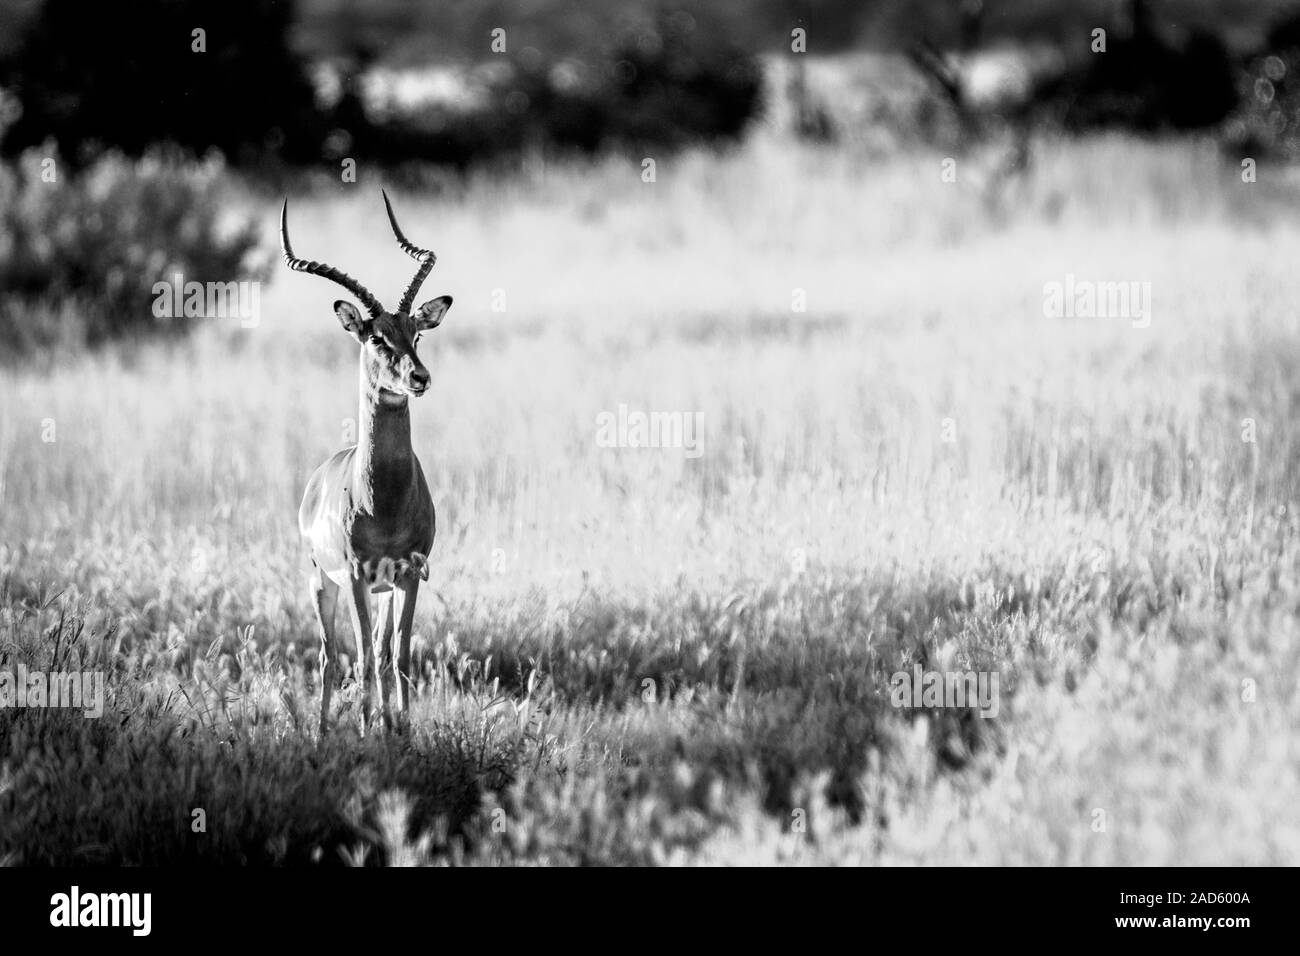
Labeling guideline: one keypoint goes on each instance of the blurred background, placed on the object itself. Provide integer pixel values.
(825, 227)
(275, 94)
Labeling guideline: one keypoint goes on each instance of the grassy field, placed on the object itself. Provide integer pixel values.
(631, 656)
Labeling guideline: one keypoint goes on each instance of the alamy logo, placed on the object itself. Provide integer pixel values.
(208, 300)
(1085, 299)
(627, 429)
(923, 688)
(102, 909)
(78, 689)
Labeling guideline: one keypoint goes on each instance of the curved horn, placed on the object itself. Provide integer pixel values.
(424, 257)
(321, 269)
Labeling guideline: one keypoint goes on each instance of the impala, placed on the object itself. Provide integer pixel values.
(367, 514)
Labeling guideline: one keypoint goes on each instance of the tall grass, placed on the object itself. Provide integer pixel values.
(631, 656)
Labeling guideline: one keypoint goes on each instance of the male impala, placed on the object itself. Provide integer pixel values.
(366, 513)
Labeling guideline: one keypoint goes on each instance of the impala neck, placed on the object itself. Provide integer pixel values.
(384, 460)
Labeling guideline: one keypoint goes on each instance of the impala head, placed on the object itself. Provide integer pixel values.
(388, 339)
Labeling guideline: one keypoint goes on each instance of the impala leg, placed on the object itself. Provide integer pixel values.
(382, 646)
(406, 616)
(358, 601)
(325, 598)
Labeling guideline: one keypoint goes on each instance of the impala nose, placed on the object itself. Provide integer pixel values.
(419, 379)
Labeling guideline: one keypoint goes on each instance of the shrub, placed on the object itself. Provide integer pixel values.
(79, 256)
(1268, 121)
(126, 76)
(1147, 81)
(665, 85)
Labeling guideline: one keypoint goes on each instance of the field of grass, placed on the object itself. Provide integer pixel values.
(631, 656)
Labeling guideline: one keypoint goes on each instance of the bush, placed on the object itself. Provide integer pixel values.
(81, 72)
(79, 256)
(1147, 84)
(1268, 122)
(126, 76)
(662, 86)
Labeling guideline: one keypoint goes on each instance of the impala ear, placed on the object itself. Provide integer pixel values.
(430, 314)
(350, 318)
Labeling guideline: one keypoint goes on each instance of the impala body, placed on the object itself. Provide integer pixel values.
(367, 514)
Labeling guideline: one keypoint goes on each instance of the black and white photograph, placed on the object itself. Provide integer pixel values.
(650, 433)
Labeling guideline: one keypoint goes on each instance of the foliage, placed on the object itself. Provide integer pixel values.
(663, 86)
(1268, 120)
(1146, 83)
(126, 76)
(79, 255)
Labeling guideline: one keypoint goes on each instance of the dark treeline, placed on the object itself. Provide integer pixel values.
(229, 76)
(242, 76)
(413, 30)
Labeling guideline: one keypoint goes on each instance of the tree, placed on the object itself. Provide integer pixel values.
(128, 75)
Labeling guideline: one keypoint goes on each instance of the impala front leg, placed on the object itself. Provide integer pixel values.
(324, 599)
(406, 593)
(382, 649)
(358, 600)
